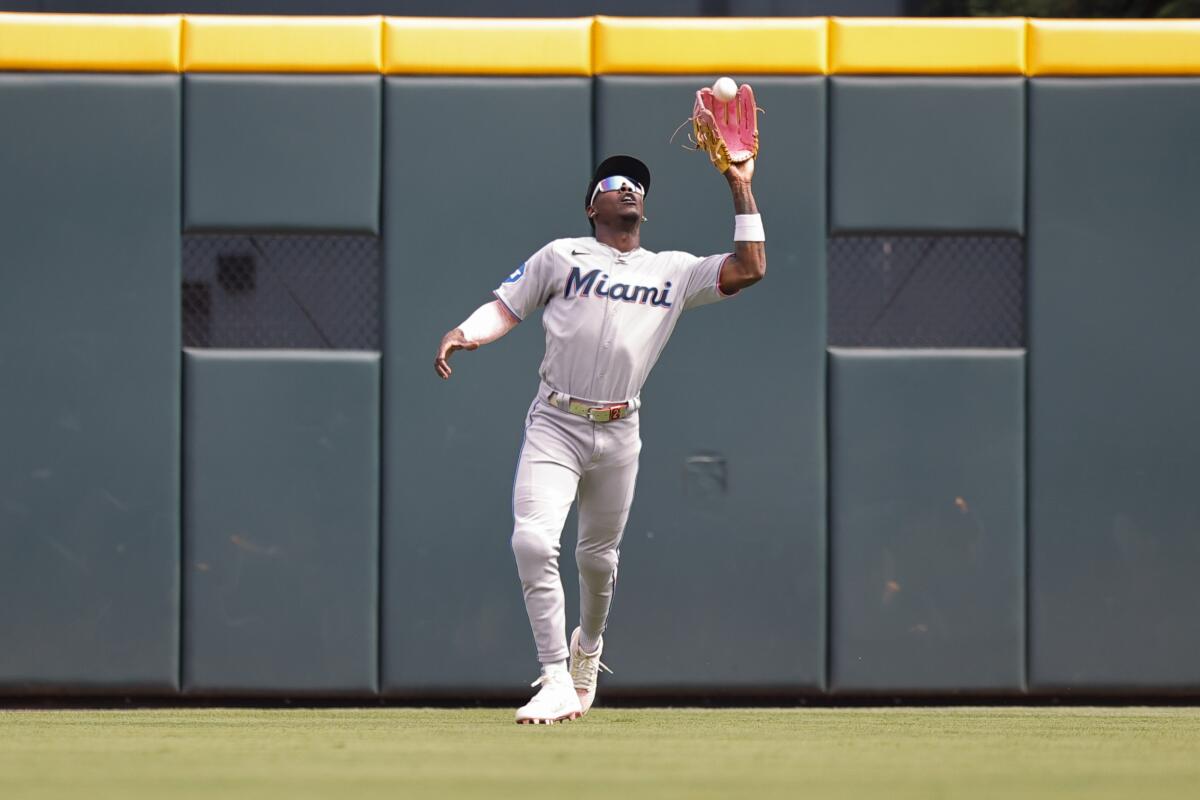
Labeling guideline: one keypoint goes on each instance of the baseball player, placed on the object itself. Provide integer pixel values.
(609, 308)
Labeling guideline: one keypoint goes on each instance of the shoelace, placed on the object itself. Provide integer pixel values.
(543, 680)
(585, 669)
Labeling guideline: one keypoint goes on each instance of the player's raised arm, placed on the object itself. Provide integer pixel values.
(725, 125)
(489, 322)
(748, 264)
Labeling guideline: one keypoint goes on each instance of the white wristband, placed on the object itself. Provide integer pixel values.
(748, 228)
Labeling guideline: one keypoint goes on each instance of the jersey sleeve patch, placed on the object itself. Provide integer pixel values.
(517, 274)
(525, 289)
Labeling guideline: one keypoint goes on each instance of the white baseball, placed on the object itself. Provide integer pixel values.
(724, 89)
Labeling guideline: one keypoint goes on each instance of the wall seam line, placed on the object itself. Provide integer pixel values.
(1026, 483)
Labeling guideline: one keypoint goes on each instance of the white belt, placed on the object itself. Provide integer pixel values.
(607, 412)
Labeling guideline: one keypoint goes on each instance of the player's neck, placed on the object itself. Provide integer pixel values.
(623, 239)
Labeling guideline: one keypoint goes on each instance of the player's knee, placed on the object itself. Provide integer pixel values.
(596, 565)
(532, 548)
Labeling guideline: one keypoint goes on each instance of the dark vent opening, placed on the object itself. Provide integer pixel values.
(926, 291)
(281, 291)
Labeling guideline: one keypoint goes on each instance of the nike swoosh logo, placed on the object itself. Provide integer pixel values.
(580, 252)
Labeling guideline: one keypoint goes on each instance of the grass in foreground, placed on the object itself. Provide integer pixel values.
(618, 754)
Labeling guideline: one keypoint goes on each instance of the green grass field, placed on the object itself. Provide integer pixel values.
(617, 754)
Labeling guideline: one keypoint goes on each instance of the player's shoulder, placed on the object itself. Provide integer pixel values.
(575, 244)
(674, 257)
(567, 247)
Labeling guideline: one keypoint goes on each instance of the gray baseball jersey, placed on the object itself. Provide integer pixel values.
(608, 314)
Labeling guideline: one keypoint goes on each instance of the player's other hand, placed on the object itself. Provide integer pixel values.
(740, 173)
(453, 340)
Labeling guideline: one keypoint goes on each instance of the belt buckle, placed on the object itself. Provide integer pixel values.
(604, 413)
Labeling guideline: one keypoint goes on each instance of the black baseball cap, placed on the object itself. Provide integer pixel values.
(628, 166)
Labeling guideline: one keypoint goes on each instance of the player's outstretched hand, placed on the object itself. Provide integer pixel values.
(453, 340)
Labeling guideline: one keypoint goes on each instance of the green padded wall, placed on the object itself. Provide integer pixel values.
(282, 152)
(927, 154)
(89, 383)
(1114, 444)
(725, 586)
(454, 229)
(281, 522)
(927, 520)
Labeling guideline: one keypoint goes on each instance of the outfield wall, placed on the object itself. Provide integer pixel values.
(811, 518)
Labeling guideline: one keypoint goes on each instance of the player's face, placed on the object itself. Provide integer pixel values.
(618, 198)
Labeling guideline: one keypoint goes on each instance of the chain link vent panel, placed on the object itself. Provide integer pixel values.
(281, 291)
(926, 291)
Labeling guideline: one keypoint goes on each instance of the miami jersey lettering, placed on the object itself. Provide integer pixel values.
(582, 284)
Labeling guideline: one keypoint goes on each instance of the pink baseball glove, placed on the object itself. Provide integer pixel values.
(728, 132)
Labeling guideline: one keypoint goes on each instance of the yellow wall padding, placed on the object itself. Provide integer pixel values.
(282, 44)
(433, 46)
(706, 46)
(597, 45)
(89, 42)
(927, 46)
(1114, 47)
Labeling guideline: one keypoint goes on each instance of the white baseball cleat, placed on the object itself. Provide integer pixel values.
(584, 670)
(555, 701)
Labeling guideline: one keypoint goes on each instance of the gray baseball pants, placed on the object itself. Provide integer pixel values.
(565, 457)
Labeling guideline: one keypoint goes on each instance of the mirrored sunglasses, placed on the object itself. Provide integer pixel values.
(615, 182)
